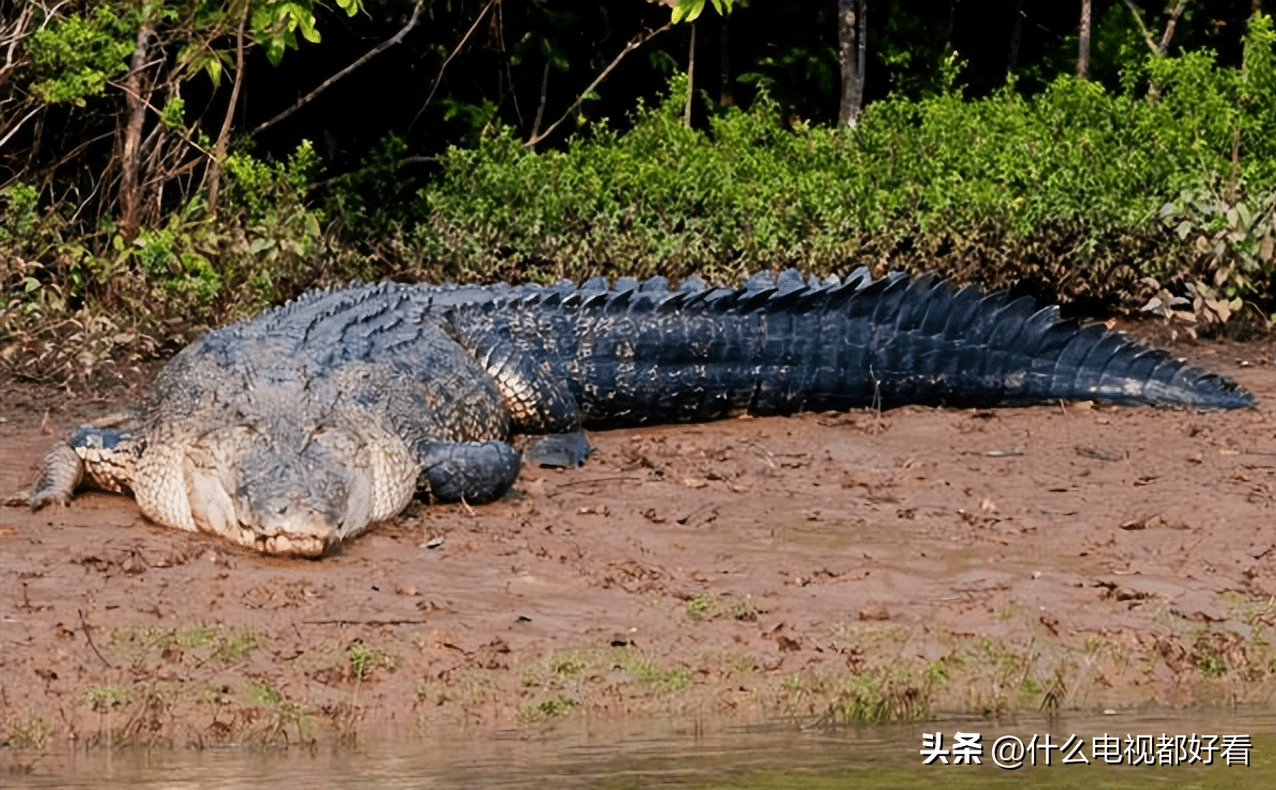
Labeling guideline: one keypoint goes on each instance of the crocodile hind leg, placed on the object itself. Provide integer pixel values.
(540, 404)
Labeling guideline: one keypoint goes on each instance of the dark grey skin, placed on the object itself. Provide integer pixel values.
(297, 429)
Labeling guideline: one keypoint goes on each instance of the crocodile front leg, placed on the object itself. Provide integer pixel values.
(467, 471)
(60, 475)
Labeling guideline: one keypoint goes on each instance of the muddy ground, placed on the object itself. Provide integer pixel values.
(844, 566)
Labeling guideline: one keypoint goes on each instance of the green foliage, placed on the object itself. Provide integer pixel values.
(276, 23)
(364, 660)
(1164, 189)
(73, 57)
(690, 10)
(168, 259)
(266, 244)
(258, 188)
(1076, 186)
(17, 211)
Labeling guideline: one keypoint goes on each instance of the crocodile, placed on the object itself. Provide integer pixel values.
(295, 430)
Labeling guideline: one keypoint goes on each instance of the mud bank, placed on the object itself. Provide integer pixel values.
(846, 566)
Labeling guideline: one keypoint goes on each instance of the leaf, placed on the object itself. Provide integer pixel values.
(1244, 216)
(275, 50)
(1154, 305)
(307, 25)
(686, 11)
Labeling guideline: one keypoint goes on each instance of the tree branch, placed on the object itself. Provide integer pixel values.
(1083, 41)
(1157, 49)
(328, 83)
(641, 39)
(540, 111)
(1143, 29)
(219, 148)
(1169, 26)
(459, 46)
(691, 76)
(18, 126)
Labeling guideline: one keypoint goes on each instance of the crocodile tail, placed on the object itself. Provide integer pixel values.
(967, 348)
(642, 353)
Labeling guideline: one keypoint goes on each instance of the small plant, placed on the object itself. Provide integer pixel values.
(363, 660)
(286, 722)
(103, 699)
(29, 733)
(1211, 662)
(1056, 692)
(556, 706)
(723, 606)
(698, 607)
(566, 666)
(884, 694)
(236, 646)
(644, 670)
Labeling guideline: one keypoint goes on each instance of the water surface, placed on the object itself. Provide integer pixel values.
(581, 754)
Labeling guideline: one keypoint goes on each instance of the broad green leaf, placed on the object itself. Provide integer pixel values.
(308, 31)
(687, 11)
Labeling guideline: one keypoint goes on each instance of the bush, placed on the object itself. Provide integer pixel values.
(1089, 191)
(1162, 191)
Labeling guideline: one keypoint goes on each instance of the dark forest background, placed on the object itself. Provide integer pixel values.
(169, 164)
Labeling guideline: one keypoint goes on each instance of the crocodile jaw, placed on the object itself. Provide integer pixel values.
(300, 501)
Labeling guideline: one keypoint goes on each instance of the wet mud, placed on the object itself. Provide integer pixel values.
(835, 566)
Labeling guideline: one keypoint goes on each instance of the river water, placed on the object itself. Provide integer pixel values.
(1083, 751)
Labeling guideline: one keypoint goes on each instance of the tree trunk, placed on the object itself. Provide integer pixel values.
(130, 151)
(725, 95)
(1083, 48)
(1016, 36)
(851, 29)
(691, 76)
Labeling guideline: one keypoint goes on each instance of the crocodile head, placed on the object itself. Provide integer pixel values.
(284, 488)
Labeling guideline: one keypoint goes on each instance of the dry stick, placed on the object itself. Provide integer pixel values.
(642, 38)
(691, 77)
(438, 78)
(540, 111)
(148, 104)
(328, 83)
(219, 148)
(498, 20)
(18, 126)
(19, 29)
(89, 638)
